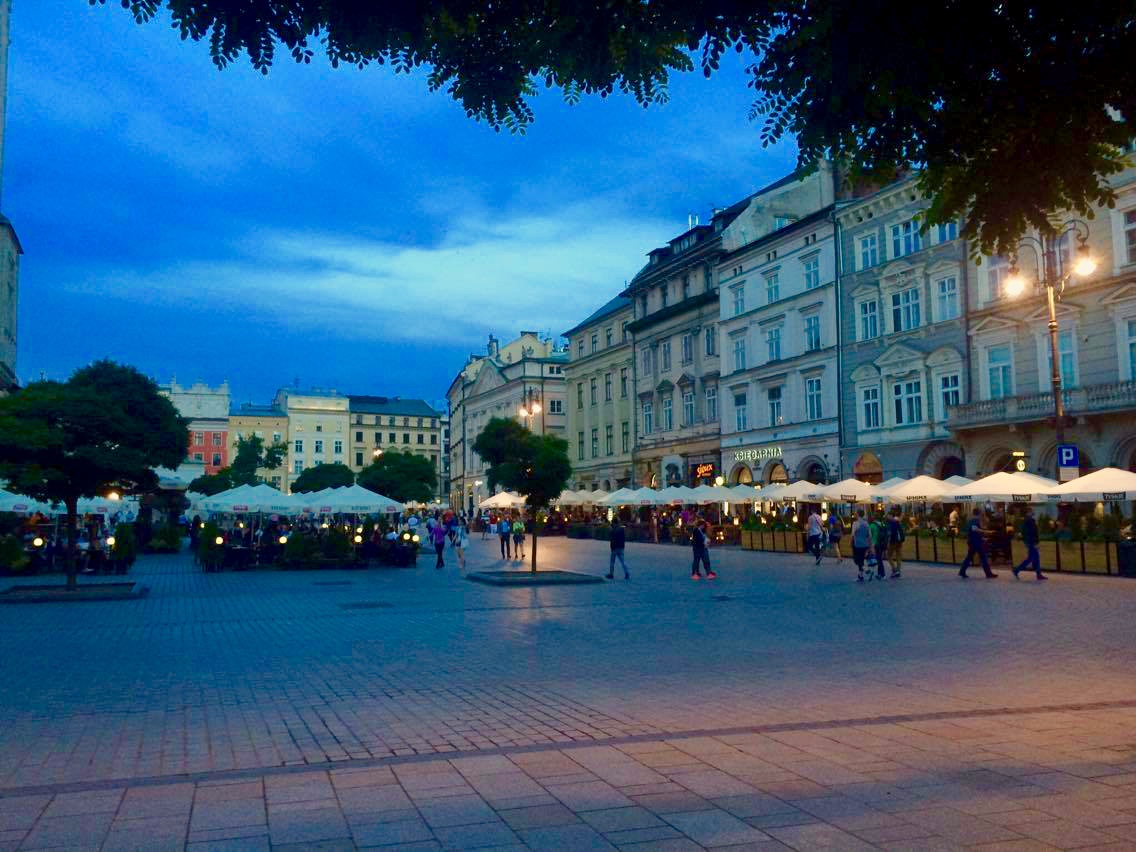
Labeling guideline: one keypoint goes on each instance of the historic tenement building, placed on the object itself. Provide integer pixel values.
(902, 300)
(779, 384)
(1010, 354)
(383, 423)
(523, 379)
(207, 410)
(10, 249)
(598, 379)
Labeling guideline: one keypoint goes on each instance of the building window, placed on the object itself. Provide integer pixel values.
(739, 292)
(595, 442)
(434, 440)
(688, 408)
(319, 447)
(908, 398)
(870, 399)
(905, 309)
(579, 394)
(198, 457)
(607, 387)
(643, 305)
(739, 353)
(668, 414)
(580, 348)
(390, 421)
(812, 334)
(276, 481)
(812, 273)
(198, 438)
(869, 320)
(813, 407)
(1130, 235)
(948, 298)
(607, 337)
(773, 397)
(948, 231)
(772, 288)
(686, 286)
(623, 382)
(664, 295)
(625, 436)
(712, 402)
(740, 420)
(358, 460)
(595, 342)
(580, 446)
(216, 460)
(216, 439)
(393, 437)
(996, 276)
(358, 437)
(319, 427)
(869, 254)
(646, 362)
(421, 439)
(299, 445)
(1131, 327)
(378, 438)
(276, 437)
(1068, 359)
(338, 448)
(405, 422)
(687, 348)
(624, 333)
(406, 437)
(556, 406)
(904, 238)
(609, 439)
(1000, 367)
(419, 422)
(949, 391)
(593, 395)
(773, 343)
(297, 467)
(665, 349)
(712, 340)
(648, 418)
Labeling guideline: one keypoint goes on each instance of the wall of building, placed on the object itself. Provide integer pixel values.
(207, 410)
(317, 429)
(271, 430)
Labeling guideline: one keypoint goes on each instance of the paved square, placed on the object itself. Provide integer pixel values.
(780, 706)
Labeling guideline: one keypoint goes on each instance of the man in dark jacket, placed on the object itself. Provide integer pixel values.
(976, 546)
(1030, 537)
(618, 545)
(701, 545)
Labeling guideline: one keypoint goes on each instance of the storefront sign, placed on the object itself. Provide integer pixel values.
(703, 471)
(1118, 496)
(757, 454)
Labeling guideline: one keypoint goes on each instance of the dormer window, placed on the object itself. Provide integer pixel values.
(663, 294)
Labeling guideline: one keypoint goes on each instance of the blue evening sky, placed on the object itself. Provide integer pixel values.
(345, 228)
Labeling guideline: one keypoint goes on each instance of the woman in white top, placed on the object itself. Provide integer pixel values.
(461, 542)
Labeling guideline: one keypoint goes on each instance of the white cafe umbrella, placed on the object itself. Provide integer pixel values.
(797, 491)
(706, 494)
(957, 481)
(1003, 487)
(20, 504)
(917, 489)
(645, 497)
(744, 493)
(592, 498)
(770, 491)
(245, 499)
(357, 500)
(849, 491)
(567, 498)
(504, 500)
(677, 495)
(619, 497)
(1109, 484)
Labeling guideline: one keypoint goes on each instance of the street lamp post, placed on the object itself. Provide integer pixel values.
(1053, 279)
(531, 406)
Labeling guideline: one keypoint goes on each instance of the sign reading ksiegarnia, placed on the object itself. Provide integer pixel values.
(758, 454)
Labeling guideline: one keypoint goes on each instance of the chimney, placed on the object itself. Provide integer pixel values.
(493, 346)
(691, 220)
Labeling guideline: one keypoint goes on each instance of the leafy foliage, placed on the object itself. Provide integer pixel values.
(521, 461)
(212, 483)
(401, 476)
(1014, 110)
(12, 555)
(252, 455)
(323, 476)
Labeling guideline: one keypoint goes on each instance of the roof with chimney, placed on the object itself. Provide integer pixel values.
(361, 404)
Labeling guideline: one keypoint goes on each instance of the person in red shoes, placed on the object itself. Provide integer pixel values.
(700, 541)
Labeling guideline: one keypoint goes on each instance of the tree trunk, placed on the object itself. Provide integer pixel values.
(72, 543)
(535, 525)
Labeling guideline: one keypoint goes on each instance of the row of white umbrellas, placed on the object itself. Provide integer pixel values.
(253, 499)
(22, 505)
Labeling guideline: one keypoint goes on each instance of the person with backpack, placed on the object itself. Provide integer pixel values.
(519, 538)
(895, 539)
(1030, 538)
(835, 534)
(861, 542)
(816, 532)
(503, 530)
(976, 546)
(700, 543)
(618, 544)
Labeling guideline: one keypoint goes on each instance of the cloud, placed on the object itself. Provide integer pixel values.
(488, 272)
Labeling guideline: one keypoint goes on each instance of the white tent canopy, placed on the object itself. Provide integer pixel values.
(848, 491)
(1003, 487)
(248, 499)
(744, 493)
(957, 481)
(678, 495)
(357, 500)
(797, 491)
(504, 500)
(567, 498)
(770, 491)
(1105, 485)
(919, 488)
(620, 497)
(20, 504)
(705, 494)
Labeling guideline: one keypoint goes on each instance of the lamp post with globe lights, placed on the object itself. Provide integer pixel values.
(1052, 277)
(531, 407)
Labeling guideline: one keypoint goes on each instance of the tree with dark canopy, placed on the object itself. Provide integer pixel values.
(1012, 111)
(323, 476)
(107, 427)
(402, 476)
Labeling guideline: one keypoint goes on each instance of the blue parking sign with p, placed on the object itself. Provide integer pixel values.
(1067, 456)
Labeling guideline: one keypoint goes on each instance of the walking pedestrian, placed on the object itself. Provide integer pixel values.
(503, 530)
(618, 544)
(835, 534)
(861, 542)
(486, 524)
(438, 539)
(700, 542)
(895, 538)
(461, 542)
(1030, 537)
(519, 538)
(976, 546)
(879, 545)
(816, 530)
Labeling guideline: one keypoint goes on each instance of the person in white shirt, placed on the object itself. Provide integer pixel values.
(816, 533)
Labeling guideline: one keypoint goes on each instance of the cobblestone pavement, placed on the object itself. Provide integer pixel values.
(779, 706)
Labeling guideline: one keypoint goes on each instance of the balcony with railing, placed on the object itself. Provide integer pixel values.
(1091, 399)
